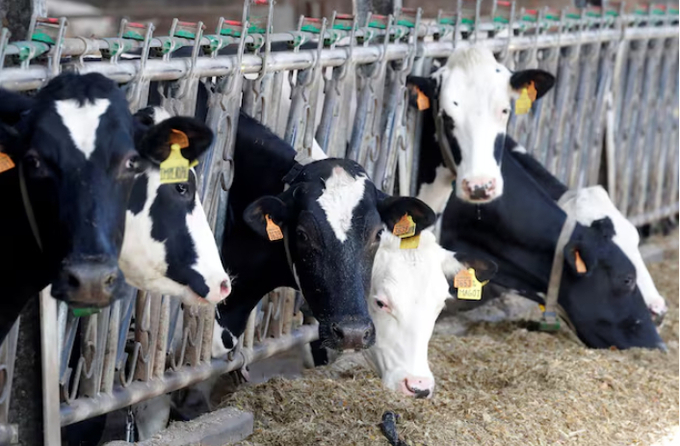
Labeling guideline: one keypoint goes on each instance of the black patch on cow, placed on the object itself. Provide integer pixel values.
(449, 125)
(168, 215)
(138, 194)
(498, 145)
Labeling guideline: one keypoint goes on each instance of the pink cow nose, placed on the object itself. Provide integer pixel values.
(418, 386)
(225, 288)
(480, 189)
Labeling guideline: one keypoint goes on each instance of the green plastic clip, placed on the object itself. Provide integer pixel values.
(82, 312)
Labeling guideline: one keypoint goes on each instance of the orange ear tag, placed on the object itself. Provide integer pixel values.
(6, 162)
(273, 230)
(531, 91)
(178, 137)
(405, 227)
(423, 101)
(580, 264)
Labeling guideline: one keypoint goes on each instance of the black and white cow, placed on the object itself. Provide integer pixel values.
(74, 145)
(331, 216)
(588, 205)
(519, 232)
(472, 93)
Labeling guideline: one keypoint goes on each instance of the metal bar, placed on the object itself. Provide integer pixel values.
(49, 351)
(82, 409)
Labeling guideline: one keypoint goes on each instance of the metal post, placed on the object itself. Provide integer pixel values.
(49, 343)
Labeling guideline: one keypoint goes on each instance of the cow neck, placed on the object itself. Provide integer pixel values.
(28, 208)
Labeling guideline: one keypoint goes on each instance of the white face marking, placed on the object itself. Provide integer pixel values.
(593, 203)
(338, 200)
(413, 283)
(520, 149)
(142, 258)
(218, 348)
(82, 121)
(475, 92)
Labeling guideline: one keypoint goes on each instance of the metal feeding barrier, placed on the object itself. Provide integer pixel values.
(611, 119)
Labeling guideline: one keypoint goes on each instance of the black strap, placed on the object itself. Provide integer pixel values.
(292, 173)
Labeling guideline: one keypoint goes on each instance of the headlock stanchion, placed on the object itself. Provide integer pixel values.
(612, 119)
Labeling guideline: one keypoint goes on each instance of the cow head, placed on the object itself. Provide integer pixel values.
(78, 159)
(600, 295)
(408, 291)
(473, 94)
(168, 246)
(331, 218)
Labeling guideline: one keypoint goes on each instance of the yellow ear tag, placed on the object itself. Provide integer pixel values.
(6, 162)
(469, 288)
(175, 169)
(523, 104)
(423, 101)
(405, 227)
(273, 230)
(410, 242)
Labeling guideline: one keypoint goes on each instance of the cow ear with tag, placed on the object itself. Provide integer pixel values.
(535, 83)
(192, 136)
(579, 258)
(8, 141)
(393, 209)
(267, 216)
(422, 91)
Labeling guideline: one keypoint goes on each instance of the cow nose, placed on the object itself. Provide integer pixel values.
(418, 386)
(88, 283)
(225, 288)
(480, 188)
(352, 335)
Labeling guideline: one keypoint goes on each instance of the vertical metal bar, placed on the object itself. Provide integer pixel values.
(49, 349)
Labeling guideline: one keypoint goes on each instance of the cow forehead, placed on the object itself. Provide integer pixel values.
(340, 197)
(82, 121)
(411, 277)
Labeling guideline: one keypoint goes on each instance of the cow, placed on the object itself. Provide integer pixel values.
(409, 288)
(72, 148)
(591, 204)
(330, 217)
(519, 232)
(470, 97)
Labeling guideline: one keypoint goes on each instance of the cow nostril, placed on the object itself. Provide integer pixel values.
(73, 281)
(337, 331)
(110, 280)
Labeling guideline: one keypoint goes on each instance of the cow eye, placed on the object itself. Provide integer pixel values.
(379, 234)
(455, 103)
(32, 161)
(302, 236)
(133, 163)
(381, 304)
(181, 188)
(506, 111)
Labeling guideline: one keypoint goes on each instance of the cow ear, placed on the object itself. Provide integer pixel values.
(485, 269)
(580, 259)
(426, 86)
(267, 211)
(154, 144)
(543, 81)
(605, 227)
(392, 209)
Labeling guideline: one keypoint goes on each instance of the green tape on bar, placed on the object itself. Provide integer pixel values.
(377, 25)
(230, 32)
(184, 33)
(342, 26)
(310, 29)
(529, 18)
(406, 23)
(133, 35)
(82, 312)
(544, 326)
(40, 36)
(468, 21)
(501, 20)
(573, 16)
(553, 17)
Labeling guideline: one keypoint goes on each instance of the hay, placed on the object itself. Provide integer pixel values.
(500, 385)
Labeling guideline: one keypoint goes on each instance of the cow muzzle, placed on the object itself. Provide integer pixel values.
(418, 386)
(88, 283)
(479, 190)
(354, 335)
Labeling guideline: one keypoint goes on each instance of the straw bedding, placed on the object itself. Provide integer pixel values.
(498, 385)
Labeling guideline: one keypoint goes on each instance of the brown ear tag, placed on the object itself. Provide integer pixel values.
(273, 230)
(405, 229)
(175, 168)
(580, 264)
(6, 162)
(423, 101)
(469, 288)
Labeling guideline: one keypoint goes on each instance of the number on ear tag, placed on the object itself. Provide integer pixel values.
(273, 230)
(405, 227)
(469, 288)
(6, 162)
